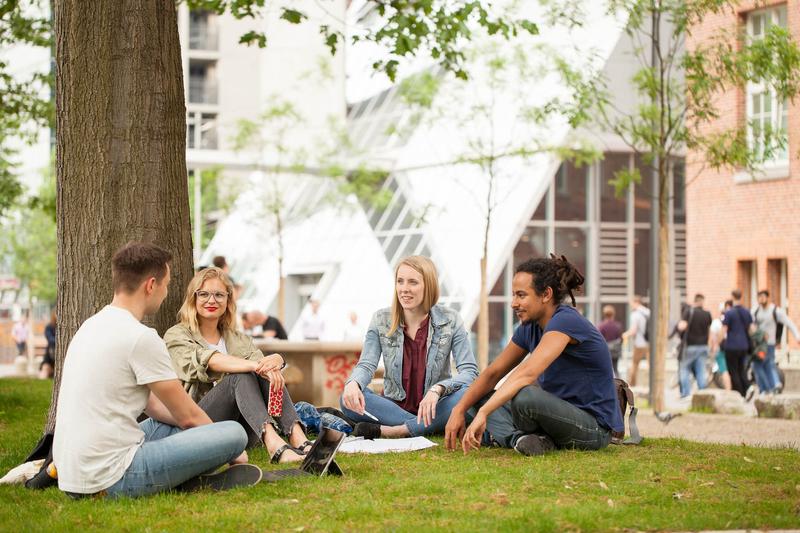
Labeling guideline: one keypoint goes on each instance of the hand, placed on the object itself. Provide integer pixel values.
(474, 433)
(454, 430)
(276, 381)
(353, 398)
(427, 407)
(268, 363)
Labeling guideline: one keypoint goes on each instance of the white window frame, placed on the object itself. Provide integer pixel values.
(778, 166)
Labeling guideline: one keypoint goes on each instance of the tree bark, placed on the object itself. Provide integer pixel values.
(120, 153)
(664, 299)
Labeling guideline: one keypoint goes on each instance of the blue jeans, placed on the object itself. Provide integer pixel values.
(534, 410)
(693, 362)
(766, 372)
(170, 456)
(389, 413)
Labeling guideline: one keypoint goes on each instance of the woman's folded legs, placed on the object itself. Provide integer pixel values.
(243, 397)
(396, 422)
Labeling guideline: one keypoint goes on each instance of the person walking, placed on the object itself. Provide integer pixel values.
(20, 333)
(611, 330)
(770, 319)
(736, 326)
(695, 325)
(638, 331)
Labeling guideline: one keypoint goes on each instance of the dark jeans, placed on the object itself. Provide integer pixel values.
(533, 410)
(737, 368)
(243, 398)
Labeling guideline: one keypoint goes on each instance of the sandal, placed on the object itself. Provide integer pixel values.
(276, 457)
(304, 448)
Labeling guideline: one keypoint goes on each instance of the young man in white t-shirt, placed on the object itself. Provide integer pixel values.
(115, 369)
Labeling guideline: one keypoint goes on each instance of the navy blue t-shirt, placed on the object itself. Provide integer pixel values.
(582, 374)
(738, 320)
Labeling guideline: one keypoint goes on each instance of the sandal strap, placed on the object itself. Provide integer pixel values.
(276, 457)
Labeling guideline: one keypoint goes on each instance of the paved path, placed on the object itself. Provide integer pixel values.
(726, 429)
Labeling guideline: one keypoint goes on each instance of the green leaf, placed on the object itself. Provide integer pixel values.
(292, 15)
(254, 37)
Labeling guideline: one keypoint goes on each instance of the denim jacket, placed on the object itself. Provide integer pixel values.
(446, 335)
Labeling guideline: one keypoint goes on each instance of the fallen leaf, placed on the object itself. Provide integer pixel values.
(500, 498)
(677, 495)
(567, 487)
(291, 500)
(301, 528)
(610, 502)
(603, 486)
(777, 468)
(797, 488)
(747, 459)
(707, 484)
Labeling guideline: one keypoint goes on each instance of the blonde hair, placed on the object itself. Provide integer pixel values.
(188, 312)
(430, 279)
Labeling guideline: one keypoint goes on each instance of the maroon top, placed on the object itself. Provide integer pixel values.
(415, 358)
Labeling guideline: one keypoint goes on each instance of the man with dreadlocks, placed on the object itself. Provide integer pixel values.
(563, 395)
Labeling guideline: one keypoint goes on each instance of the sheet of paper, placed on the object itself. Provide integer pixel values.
(361, 445)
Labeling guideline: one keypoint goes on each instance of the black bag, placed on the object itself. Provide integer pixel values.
(626, 399)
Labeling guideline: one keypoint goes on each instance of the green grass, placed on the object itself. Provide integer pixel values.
(665, 484)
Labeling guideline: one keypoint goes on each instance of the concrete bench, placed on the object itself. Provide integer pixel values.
(316, 370)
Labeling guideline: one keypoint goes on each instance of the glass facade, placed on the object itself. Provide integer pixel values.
(605, 235)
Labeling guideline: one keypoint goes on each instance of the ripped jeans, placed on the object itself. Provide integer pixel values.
(534, 410)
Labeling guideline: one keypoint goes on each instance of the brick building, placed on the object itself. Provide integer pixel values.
(742, 229)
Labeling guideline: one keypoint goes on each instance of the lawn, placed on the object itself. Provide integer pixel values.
(660, 485)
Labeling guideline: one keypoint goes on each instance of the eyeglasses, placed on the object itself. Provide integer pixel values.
(205, 296)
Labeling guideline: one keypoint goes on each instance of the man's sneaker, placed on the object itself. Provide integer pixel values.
(534, 444)
(749, 393)
(239, 475)
(368, 430)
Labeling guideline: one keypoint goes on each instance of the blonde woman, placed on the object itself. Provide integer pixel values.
(225, 373)
(417, 339)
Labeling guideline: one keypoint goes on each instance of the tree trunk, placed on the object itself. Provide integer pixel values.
(483, 320)
(120, 153)
(664, 292)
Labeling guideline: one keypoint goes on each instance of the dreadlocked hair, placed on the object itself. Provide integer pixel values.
(555, 272)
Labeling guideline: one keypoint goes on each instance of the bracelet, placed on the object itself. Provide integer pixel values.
(435, 390)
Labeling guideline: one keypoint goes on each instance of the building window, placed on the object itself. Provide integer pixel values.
(201, 131)
(612, 208)
(765, 112)
(202, 83)
(570, 188)
(202, 31)
(747, 281)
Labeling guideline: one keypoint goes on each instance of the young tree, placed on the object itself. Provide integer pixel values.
(500, 120)
(25, 104)
(681, 74)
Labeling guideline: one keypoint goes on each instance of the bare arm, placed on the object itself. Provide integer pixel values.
(485, 383)
(175, 405)
(549, 348)
(221, 362)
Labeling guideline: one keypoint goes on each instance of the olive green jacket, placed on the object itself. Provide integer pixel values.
(190, 354)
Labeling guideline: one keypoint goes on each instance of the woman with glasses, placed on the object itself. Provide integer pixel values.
(226, 374)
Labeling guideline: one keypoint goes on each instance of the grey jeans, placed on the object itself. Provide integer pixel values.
(243, 398)
(534, 410)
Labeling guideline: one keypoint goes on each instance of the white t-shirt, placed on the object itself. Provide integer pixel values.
(639, 317)
(109, 363)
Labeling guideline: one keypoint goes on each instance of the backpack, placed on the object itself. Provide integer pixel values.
(646, 332)
(625, 398)
(758, 342)
(778, 323)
